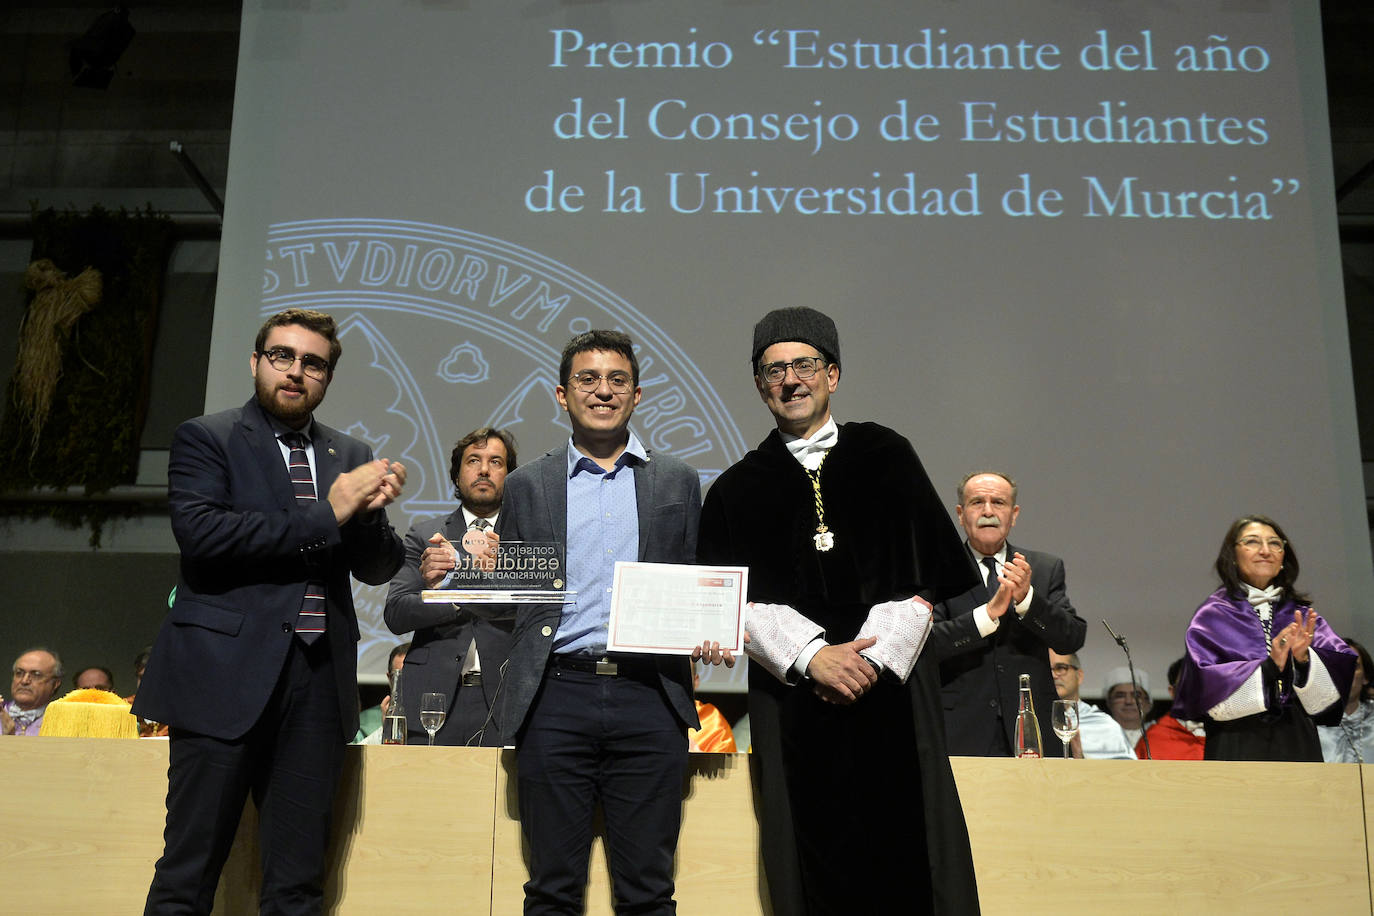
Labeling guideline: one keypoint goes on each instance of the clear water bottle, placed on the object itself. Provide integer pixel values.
(394, 722)
(1027, 725)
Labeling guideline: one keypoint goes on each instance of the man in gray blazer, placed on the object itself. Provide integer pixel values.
(457, 650)
(591, 727)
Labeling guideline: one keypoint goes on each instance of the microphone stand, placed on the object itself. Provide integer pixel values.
(1135, 691)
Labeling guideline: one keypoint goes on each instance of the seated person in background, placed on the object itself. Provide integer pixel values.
(1170, 738)
(1130, 709)
(146, 729)
(140, 666)
(1352, 741)
(94, 677)
(37, 675)
(715, 735)
(1099, 737)
(370, 719)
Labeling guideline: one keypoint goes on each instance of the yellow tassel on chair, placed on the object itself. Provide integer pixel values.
(89, 713)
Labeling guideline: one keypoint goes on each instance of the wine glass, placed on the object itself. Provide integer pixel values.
(1064, 721)
(433, 711)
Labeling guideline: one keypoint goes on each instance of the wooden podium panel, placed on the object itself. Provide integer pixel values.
(408, 821)
(1117, 836)
(422, 829)
(1367, 796)
(82, 825)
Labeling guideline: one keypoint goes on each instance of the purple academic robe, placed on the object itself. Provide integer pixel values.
(1225, 643)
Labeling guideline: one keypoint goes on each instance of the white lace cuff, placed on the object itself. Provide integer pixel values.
(1320, 691)
(777, 635)
(902, 628)
(1248, 700)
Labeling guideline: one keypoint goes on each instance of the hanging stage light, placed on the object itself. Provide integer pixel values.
(94, 54)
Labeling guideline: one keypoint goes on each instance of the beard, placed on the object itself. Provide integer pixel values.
(480, 502)
(295, 412)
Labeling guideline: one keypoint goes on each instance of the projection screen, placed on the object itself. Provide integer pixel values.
(1090, 244)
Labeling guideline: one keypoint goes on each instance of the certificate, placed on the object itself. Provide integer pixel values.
(670, 608)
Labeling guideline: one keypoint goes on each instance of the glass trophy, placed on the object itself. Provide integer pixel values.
(511, 572)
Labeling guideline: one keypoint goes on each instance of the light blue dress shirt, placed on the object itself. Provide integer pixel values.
(603, 527)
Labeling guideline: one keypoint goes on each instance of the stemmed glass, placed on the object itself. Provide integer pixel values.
(1064, 721)
(433, 711)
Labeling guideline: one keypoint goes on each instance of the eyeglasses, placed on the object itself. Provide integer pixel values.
(589, 381)
(1062, 668)
(803, 366)
(21, 674)
(1275, 545)
(283, 358)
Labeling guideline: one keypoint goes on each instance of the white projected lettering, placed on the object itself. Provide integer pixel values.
(932, 51)
(1131, 199)
(704, 192)
(670, 119)
(1109, 123)
(820, 126)
(571, 49)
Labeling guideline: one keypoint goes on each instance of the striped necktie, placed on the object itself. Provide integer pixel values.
(310, 621)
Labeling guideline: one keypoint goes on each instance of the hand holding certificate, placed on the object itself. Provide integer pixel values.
(678, 609)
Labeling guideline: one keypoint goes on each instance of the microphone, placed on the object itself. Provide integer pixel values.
(1120, 640)
(1135, 690)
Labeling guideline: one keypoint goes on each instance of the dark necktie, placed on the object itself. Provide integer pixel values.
(480, 524)
(993, 584)
(311, 619)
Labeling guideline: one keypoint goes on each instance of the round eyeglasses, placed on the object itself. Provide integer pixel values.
(804, 367)
(282, 359)
(619, 382)
(1275, 545)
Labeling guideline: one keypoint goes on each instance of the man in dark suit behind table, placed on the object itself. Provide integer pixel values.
(990, 635)
(590, 727)
(255, 667)
(459, 651)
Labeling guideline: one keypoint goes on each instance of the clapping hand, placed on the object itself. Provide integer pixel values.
(1294, 640)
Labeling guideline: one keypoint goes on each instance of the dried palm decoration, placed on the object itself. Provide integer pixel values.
(57, 304)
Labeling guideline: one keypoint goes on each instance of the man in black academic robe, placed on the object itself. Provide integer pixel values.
(858, 803)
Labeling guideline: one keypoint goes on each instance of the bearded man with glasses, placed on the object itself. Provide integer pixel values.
(255, 667)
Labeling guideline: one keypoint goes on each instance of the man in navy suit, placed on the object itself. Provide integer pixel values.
(458, 651)
(990, 635)
(255, 667)
(591, 727)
